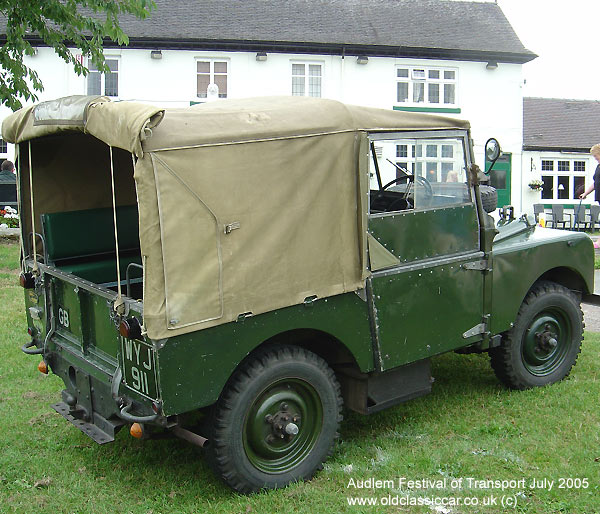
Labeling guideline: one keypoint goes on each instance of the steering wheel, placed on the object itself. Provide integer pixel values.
(422, 180)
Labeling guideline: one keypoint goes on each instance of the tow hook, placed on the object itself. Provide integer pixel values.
(131, 418)
(26, 348)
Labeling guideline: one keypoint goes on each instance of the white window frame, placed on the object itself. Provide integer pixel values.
(554, 173)
(421, 75)
(411, 159)
(212, 74)
(3, 147)
(307, 77)
(103, 76)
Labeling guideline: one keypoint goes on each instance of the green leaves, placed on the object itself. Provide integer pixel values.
(62, 25)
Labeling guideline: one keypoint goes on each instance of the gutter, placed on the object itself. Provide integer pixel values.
(312, 48)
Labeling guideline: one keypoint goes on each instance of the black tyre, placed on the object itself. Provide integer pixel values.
(489, 198)
(276, 421)
(545, 340)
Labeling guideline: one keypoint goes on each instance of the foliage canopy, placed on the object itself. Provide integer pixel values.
(61, 25)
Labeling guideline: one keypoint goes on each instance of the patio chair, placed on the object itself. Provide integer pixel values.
(559, 216)
(538, 208)
(594, 215)
(580, 220)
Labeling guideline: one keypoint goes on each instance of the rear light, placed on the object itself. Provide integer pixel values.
(130, 328)
(43, 367)
(27, 280)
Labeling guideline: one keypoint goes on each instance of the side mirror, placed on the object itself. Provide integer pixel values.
(492, 152)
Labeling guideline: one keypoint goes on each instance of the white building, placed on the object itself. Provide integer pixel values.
(557, 136)
(460, 59)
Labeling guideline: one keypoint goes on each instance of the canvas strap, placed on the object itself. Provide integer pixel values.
(34, 236)
(119, 300)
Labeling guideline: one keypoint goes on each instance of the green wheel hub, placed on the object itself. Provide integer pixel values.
(282, 425)
(546, 342)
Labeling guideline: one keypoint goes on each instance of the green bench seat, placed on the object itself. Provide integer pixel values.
(83, 242)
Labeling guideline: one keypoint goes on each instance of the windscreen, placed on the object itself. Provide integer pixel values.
(417, 173)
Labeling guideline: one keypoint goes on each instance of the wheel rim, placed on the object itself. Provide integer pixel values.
(546, 342)
(284, 407)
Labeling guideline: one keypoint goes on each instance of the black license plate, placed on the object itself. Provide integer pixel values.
(139, 367)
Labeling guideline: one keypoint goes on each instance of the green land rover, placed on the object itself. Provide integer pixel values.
(256, 265)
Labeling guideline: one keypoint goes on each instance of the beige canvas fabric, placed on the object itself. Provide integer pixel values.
(245, 206)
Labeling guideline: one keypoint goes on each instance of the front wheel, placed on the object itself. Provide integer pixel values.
(276, 420)
(545, 340)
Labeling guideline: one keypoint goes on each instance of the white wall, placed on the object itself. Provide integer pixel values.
(490, 99)
(532, 169)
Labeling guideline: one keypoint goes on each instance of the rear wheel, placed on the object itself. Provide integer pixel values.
(545, 340)
(276, 420)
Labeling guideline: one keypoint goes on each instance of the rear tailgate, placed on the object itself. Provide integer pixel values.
(83, 319)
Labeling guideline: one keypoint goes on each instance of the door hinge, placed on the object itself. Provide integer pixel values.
(475, 331)
(481, 265)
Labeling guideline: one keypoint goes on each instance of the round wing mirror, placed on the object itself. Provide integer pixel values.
(492, 149)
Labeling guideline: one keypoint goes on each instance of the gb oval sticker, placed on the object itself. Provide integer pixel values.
(63, 317)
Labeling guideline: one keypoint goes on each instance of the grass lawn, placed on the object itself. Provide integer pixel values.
(469, 427)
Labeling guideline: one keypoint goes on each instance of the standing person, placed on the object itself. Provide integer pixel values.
(595, 185)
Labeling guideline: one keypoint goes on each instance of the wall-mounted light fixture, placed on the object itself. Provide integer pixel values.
(156, 54)
(362, 59)
(261, 56)
(491, 65)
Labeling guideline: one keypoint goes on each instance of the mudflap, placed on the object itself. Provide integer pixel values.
(101, 430)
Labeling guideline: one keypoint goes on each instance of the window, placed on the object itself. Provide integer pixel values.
(439, 168)
(547, 165)
(103, 83)
(563, 179)
(3, 146)
(306, 79)
(211, 78)
(433, 86)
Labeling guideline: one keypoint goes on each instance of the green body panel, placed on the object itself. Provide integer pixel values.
(412, 236)
(193, 368)
(425, 311)
(89, 325)
(571, 253)
(425, 305)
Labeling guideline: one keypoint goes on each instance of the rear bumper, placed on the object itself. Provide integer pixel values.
(94, 399)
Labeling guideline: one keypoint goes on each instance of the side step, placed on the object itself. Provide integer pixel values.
(369, 393)
(103, 435)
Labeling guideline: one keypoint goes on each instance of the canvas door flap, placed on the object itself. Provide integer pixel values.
(191, 252)
(379, 256)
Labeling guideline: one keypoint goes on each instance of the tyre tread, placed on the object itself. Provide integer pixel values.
(250, 370)
(500, 357)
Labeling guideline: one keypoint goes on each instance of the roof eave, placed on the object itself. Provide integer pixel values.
(547, 148)
(317, 48)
